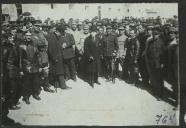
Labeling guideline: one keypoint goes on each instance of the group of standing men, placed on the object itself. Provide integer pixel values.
(39, 55)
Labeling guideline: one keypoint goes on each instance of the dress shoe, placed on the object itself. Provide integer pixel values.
(36, 97)
(66, 88)
(74, 79)
(97, 82)
(47, 89)
(18, 103)
(14, 107)
(26, 100)
(92, 85)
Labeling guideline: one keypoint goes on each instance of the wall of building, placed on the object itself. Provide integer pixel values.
(88, 11)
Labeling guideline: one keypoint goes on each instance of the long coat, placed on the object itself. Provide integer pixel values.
(153, 58)
(91, 50)
(55, 54)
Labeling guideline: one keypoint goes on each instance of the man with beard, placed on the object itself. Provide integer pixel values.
(55, 54)
(67, 43)
(92, 57)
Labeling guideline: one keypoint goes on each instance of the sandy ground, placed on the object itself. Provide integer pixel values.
(107, 104)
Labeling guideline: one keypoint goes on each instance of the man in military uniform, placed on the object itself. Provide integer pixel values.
(110, 46)
(121, 50)
(132, 54)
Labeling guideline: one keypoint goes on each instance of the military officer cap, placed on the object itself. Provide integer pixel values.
(108, 27)
(37, 22)
(5, 24)
(80, 23)
(44, 25)
(28, 34)
(149, 27)
(156, 29)
(121, 28)
(172, 30)
(74, 22)
(85, 27)
(99, 23)
(93, 28)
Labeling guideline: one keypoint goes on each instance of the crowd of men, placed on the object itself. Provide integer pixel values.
(38, 55)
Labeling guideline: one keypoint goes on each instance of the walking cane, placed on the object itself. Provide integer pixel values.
(113, 68)
(55, 79)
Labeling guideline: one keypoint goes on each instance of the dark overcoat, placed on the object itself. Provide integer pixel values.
(154, 58)
(55, 54)
(91, 50)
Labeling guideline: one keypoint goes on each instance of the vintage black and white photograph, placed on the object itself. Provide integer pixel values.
(90, 64)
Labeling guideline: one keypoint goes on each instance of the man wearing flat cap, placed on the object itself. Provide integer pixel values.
(171, 65)
(154, 50)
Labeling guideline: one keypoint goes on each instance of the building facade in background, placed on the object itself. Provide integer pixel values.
(88, 11)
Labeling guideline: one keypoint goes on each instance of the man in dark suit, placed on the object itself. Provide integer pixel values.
(91, 48)
(55, 53)
(67, 42)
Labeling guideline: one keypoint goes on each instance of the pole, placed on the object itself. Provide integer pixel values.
(99, 12)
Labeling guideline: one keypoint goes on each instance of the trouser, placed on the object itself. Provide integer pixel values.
(156, 79)
(32, 84)
(132, 70)
(108, 62)
(61, 81)
(143, 71)
(14, 91)
(70, 68)
(121, 61)
(93, 77)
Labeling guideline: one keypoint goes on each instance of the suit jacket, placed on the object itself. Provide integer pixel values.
(69, 51)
